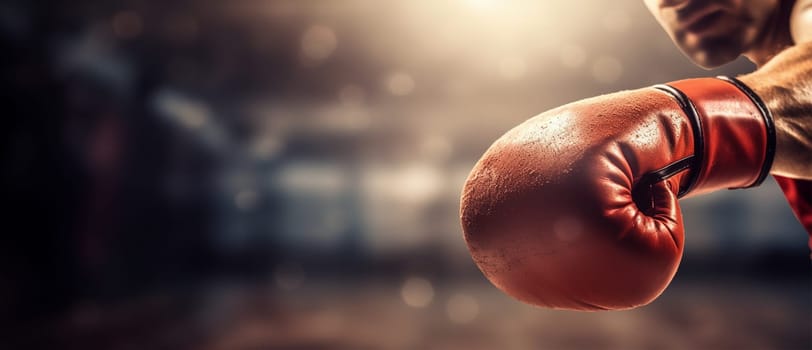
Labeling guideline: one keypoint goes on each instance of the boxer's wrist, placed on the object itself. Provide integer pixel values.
(791, 107)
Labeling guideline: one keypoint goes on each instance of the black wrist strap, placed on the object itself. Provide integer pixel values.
(694, 161)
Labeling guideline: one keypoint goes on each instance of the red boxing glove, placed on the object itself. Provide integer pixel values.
(577, 208)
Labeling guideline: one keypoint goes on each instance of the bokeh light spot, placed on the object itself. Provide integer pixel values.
(417, 292)
(417, 183)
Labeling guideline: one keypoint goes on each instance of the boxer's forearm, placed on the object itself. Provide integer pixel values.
(785, 85)
(793, 156)
(793, 124)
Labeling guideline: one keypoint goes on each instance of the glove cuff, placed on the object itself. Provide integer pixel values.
(769, 126)
(734, 135)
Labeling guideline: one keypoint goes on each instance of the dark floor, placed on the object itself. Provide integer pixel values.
(472, 315)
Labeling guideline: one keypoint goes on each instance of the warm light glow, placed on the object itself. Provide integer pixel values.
(415, 183)
(418, 183)
(482, 5)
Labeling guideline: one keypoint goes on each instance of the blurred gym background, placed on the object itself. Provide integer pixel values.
(285, 174)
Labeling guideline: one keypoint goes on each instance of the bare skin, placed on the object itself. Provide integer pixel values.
(790, 101)
(776, 35)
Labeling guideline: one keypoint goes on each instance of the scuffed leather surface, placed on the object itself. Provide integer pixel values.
(549, 211)
(734, 132)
